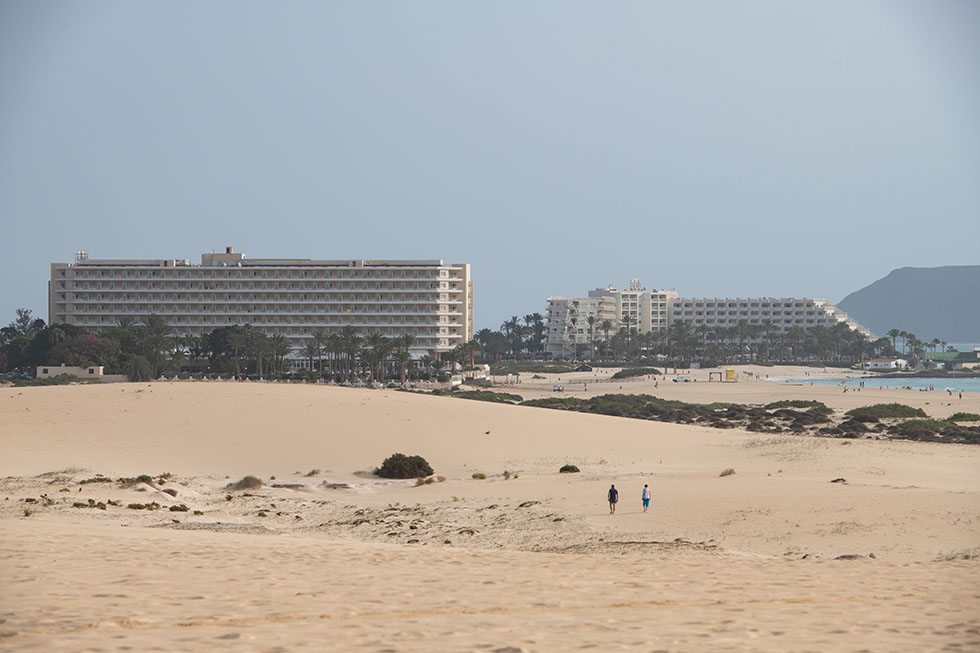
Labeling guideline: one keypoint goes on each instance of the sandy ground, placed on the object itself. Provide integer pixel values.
(774, 557)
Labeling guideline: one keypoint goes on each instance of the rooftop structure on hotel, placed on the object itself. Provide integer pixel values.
(428, 299)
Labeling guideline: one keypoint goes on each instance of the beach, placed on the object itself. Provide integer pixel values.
(327, 556)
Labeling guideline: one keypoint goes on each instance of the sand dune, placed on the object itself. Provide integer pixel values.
(774, 557)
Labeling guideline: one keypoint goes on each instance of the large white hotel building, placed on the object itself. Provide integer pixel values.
(428, 299)
(652, 310)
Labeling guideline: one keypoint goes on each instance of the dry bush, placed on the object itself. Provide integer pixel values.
(727, 472)
(246, 483)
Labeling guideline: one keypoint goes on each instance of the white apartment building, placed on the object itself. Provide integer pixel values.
(568, 317)
(652, 310)
(428, 299)
(779, 313)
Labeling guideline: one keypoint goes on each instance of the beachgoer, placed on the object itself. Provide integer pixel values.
(646, 497)
(613, 499)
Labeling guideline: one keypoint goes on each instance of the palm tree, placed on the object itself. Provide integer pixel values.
(512, 329)
(177, 350)
(425, 362)
(591, 320)
(437, 365)
(768, 325)
(379, 345)
(239, 340)
(279, 347)
(606, 326)
(310, 351)
(894, 334)
(484, 336)
(403, 344)
(320, 340)
(261, 347)
(628, 321)
(152, 339)
(535, 321)
(352, 345)
(125, 322)
(335, 346)
(796, 335)
(904, 335)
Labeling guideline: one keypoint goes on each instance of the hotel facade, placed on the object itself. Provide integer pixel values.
(653, 310)
(568, 317)
(428, 299)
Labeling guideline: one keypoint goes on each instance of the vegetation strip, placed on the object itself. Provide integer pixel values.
(796, 417)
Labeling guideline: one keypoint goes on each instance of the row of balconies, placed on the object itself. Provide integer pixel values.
(233, 273)
(788, 305)
(168, 301)
(312, 325)
(317, 291)
(742, 314)
(776, 325)
(88, 310)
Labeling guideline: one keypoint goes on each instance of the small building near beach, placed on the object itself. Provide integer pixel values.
(953, 360)
(885, 364)
(92, 373)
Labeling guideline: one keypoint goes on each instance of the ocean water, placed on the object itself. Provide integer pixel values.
(940, 384)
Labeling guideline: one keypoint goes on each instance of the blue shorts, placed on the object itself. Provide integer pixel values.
(646, 503)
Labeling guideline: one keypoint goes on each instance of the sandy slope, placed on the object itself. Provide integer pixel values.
(534, 562)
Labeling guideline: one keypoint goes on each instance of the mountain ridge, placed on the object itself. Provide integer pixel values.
(940, 302)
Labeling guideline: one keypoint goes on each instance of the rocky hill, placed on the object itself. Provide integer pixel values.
(932, 303)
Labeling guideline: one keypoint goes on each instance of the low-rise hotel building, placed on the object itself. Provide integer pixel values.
(428, 299)
(780, 314)
(653, 310)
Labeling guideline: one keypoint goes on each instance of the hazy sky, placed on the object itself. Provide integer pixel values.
(719, 148)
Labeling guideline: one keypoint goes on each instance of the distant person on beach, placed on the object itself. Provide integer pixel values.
(646, 497)
(613, 499)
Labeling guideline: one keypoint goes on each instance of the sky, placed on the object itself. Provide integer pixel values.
(760, 148)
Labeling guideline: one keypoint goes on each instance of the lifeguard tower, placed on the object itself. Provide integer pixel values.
(728, 376)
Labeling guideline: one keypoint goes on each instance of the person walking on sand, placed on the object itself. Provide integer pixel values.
(613, 499)
(646, 497)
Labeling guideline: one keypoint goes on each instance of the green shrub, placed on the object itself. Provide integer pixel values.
(631, 372)
(487, 395)
(398, 465)
(567, 403)
(480, 476)
(516, 367)
(794, 403)
(569, 469)
(964, 417)
(915, 426)
(886, 410)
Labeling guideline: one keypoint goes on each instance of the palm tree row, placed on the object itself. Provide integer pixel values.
(739, 343)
